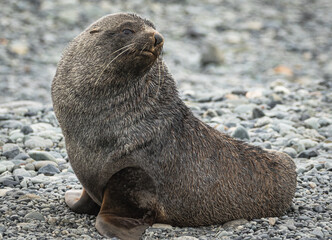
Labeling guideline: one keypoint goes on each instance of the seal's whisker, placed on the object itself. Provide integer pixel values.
(143, 48)
(163, 66)
(128, 48)
(159, 73)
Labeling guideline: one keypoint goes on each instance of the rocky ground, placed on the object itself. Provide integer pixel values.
(258, 70)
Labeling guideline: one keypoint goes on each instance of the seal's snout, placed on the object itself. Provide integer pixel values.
(158, 39)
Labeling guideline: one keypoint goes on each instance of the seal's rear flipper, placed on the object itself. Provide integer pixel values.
(79, 201)
(110, 225)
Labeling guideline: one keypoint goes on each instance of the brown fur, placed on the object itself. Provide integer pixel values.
(127, 130)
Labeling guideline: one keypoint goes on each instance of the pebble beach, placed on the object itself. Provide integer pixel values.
(260, 71)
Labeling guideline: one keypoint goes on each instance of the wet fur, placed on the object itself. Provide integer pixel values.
(131, 126)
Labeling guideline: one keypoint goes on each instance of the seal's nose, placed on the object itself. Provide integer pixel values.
(158, 39)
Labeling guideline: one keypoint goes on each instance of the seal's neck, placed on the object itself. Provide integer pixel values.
(130, 88)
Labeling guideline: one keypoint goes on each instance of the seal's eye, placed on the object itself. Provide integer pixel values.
(127, 31)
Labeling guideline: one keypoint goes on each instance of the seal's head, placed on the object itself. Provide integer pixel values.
(117, 46)
(126, 38)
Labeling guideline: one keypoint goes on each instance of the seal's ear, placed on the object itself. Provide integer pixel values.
(95, 30)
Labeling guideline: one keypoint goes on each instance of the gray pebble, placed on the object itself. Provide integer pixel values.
(41, 126)
(234, 223)
(257, 113)
(329, 207)
(318, 233)
(10, 182)
(312, 123)
(26, 130)
(211, 54)
(21, 156)
(24, 183)
(323, 122)
(263, 121)
(185, 238)
(3, 168)
(240, 92)
(41, 155)
(308, 154)
(298, 147)
(18, 162)
(319, 209)
(30, 166)
(290, 224)
(35, 216)
(40, 164)
(244, 108)
(21, 172)
(319, 166)
(8, 177)
(284, 129)
(328, 166)
(290, 151)
(48, 170)
(10, 150)
(70, 169)
(210, 113)
(312, 172)
(11, 124)
(38, 142)
(14, 137)
(308, 143)
(40, 179)
(327, 146)
(2, 228)
(32, 173)
(240, 133)
(55, 154)
(5, 117)
(9, 165)
(196, 32)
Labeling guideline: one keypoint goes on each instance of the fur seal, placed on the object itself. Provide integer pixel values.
(139, 152)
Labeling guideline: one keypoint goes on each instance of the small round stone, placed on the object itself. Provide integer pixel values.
(290, 151)
(48, 170)
(10, 150)
(9, 165)
(212, 54)
(3, 168)
(257, 113)
(26, 130)
(240, 133)
(29, 166)
(312, 123)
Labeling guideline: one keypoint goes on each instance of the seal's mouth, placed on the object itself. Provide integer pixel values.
(148, 53)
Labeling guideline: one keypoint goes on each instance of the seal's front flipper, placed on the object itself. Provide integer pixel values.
(110, 225)
(79, 201)
(118, 216)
